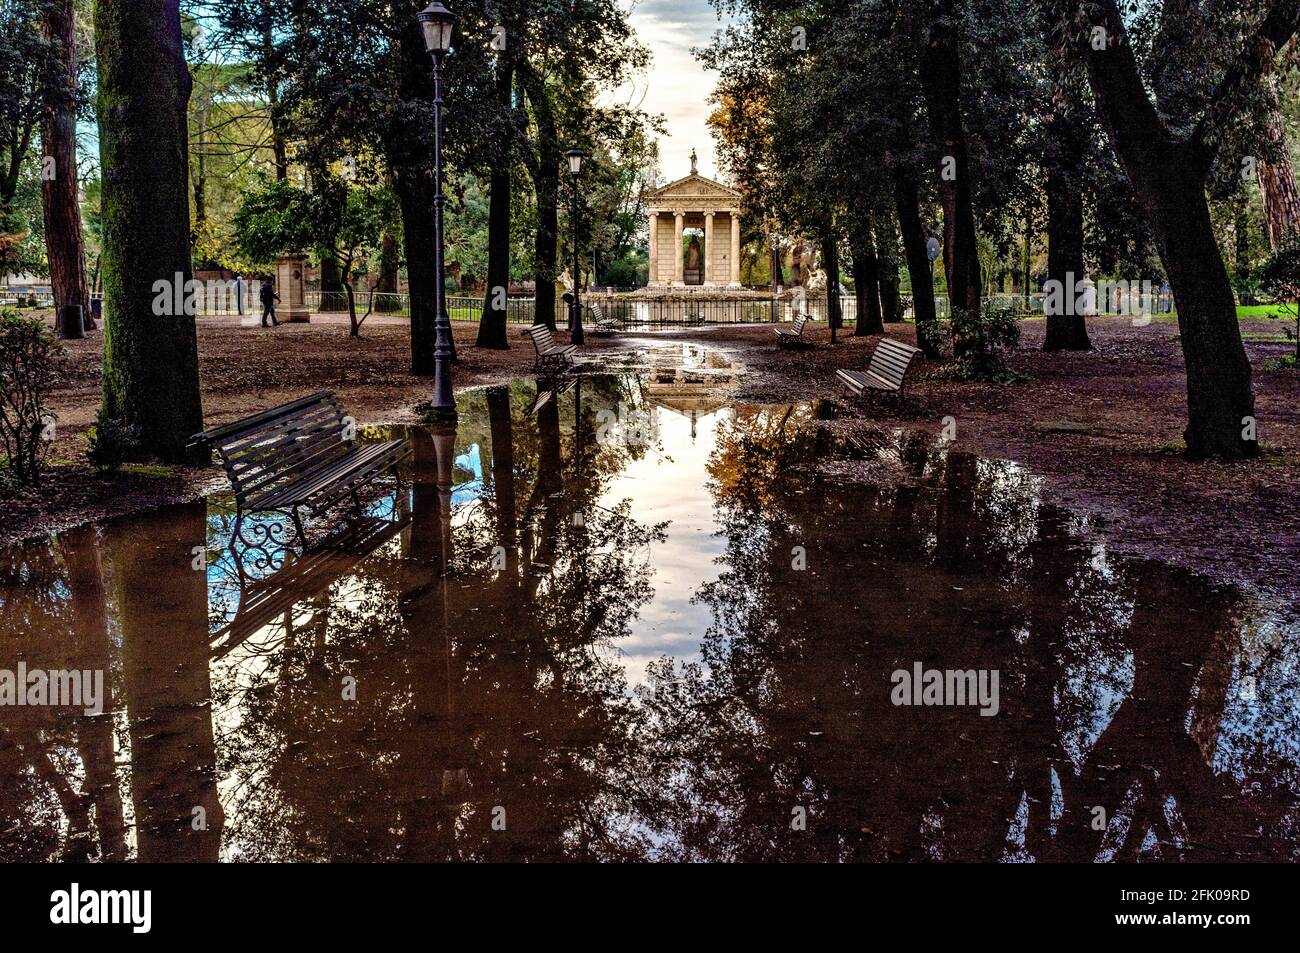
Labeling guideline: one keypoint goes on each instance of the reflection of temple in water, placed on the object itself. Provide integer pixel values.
(695, 383)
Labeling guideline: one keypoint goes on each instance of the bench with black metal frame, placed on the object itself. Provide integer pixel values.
(300, 455)
(886, 372)
(549, 353)
(793, 336)
(601, 324)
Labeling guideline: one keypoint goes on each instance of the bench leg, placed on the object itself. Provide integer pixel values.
(297, 524)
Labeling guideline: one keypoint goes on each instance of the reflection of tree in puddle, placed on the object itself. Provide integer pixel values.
(492, 719)
(1103, 666)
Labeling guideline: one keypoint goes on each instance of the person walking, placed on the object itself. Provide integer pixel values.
(269, 298)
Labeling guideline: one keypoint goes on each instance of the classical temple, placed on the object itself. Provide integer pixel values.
(710, 260)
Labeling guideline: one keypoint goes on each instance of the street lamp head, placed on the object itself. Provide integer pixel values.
(575, 160)
(436, 23)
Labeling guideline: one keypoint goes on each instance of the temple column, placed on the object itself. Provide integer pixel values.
(653, 257)
(735, 246)
(708, 247)
(679, 268)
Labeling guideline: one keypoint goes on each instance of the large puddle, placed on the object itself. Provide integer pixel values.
(628, 619)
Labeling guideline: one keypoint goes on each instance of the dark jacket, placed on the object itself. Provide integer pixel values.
(268, 293)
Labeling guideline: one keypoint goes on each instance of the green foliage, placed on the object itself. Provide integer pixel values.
(344, 221)
(1280, 277)
(110, 443)
(29, 365)
(981, 340)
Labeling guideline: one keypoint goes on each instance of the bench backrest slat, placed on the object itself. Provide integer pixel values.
(598, 312)
(274, 447)
(799, 322)
(542, 337)
(891, 360)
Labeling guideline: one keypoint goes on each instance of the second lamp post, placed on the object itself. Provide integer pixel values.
(575, 318)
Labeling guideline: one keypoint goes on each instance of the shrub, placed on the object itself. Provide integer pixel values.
(29, 364)
(110, 443)
(981, 339)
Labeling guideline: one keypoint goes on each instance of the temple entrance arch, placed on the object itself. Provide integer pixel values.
(701, 209)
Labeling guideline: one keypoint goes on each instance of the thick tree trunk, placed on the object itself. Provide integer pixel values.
(492, 325)
(546, 185)
(941, 78)
(1168, 176)
(388, 264)
(151, 365)
(1277, 183)
(330, 279)
(414, 189)
(907, 201)
(64, 245)
(866, 283)
(1066, 331)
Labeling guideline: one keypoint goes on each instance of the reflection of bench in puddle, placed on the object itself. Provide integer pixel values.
(301, 577)
(547, 391)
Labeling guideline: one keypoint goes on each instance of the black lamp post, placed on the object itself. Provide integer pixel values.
(436, 24)
(575, 318)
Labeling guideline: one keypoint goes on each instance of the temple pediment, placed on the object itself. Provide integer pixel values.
(693, 186)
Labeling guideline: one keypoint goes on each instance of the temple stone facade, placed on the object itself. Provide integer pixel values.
(694, 202)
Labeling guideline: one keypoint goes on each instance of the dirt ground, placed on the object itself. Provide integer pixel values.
(1104, 428)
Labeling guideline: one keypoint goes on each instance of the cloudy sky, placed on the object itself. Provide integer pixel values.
(677, 86)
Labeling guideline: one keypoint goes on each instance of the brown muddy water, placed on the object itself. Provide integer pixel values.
(632, 620)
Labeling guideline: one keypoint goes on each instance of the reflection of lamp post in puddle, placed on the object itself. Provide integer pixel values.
(455, 780)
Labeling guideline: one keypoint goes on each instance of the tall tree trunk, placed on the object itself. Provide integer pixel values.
(941, 79)
(414, 187)
(1277, 183)
(907, 201)
(891, 311)
(1066, 331)
(64, 244)
(866, 282)
(778, 278)
(1168, 175)
(279, 151)
(388, 264)
(546, 184)
(492, 325)
(831, 262)
(151, 362)
(330, 279)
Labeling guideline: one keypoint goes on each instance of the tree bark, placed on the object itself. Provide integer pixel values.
(941, 79)
(492, 324)
(64, 242)
(546, 185)
(388, 264)
(1168, 175)
(1277, 183)
(866, 283)
(151, 365)
(831, 262)
(907, 201)
(1066, 331)
(414, 189)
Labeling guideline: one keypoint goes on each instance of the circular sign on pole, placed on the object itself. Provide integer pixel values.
(932, 247)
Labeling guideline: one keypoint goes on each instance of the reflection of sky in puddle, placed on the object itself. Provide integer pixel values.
(1169, 700)
(670, 624)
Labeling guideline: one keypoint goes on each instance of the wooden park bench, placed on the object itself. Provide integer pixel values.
(794, 334)
(887, 370)
(602, 324)
(301, 454)
(548, 352)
